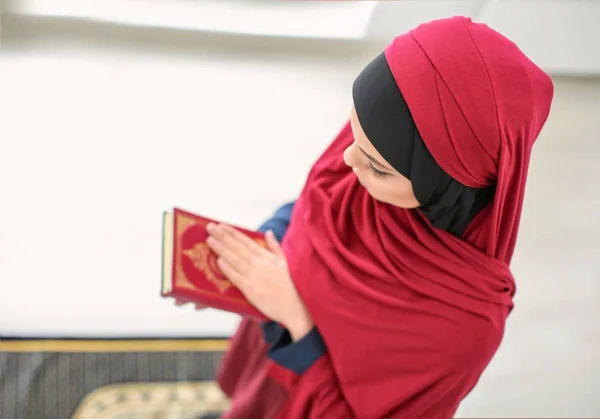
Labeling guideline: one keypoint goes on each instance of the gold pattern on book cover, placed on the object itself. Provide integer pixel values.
(201, 257)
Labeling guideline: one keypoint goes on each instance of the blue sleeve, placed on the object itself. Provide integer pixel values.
(297, 356)
(278, 223)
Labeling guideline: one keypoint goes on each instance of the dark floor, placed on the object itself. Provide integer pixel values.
(50, 385)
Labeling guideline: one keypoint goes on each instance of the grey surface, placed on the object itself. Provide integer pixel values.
(51, 385)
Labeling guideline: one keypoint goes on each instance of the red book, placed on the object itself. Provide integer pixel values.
(190, 271)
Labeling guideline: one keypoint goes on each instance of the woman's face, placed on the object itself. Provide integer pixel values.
(382, 182)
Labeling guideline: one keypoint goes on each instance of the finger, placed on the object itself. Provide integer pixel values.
(200, 306)
(273, 244)
(227, 238)
(240, 240)
(230, 256)
(232, 274)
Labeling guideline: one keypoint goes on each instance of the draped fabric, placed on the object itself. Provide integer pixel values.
(411, 315)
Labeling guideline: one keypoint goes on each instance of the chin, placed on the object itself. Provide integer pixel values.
(412, 205)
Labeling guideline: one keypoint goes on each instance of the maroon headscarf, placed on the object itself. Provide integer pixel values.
(411, 315)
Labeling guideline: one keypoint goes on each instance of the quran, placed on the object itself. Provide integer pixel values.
(190, 271)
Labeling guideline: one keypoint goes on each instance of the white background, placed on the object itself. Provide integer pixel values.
(104, 126)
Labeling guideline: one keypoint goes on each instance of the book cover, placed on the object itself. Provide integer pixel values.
(190, 272)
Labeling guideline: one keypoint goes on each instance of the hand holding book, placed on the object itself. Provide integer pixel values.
(229, 268)
(190, 271)
(197, 306)
(261, 274)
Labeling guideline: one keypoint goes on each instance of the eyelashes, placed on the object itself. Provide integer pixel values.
(377, 173)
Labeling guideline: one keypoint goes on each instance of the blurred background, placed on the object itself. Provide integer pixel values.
(112, 111)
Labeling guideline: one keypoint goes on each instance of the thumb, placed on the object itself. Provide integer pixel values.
(273, 244)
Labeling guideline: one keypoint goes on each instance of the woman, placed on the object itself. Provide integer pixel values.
(391, 287)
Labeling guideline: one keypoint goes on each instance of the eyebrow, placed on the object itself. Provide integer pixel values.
(374, 160)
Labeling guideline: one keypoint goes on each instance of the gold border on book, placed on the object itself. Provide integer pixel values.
(200, 256)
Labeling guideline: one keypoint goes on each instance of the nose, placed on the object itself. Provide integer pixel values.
(350, 156)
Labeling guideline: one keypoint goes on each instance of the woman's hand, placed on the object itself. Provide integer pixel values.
(262, 275)
(198, 306)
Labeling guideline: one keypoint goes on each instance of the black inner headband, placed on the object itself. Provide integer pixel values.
(388, 124)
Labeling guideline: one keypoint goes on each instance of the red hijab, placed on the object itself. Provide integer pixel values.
(412, 315)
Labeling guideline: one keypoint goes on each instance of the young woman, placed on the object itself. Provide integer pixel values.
(391, 287)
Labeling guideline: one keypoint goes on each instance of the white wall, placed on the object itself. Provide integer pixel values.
(102, 130)
(104, 127)
(562, 36)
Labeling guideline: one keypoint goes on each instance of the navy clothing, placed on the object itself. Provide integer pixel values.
(279, 222)
(296, 356)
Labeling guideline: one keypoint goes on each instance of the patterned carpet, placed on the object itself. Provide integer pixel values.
(150, 379)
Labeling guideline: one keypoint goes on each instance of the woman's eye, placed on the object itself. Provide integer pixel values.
(377, 173)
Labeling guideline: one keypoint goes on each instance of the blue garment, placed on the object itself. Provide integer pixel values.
(296, 356)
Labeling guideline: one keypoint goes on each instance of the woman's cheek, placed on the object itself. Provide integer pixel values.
(367, 183)
(359, 174)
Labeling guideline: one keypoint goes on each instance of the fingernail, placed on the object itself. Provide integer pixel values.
(210, 227)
